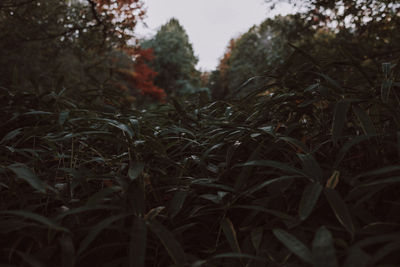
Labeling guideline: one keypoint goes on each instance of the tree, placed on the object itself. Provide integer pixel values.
(256, 52)
(174, 58)
(58, 45)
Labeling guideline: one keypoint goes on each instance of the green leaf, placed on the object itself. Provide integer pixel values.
(391, 180)
(294, 245)
(23, 172)
(135, 169)
(30, 259)
(339, 119)
(340, 209)
(272, 164)
(256, 237)
(366, 123)
(311, 167)
(356, 257)
(11, 135)
(323, 249)
(300, 145)
(96, 229)
(258, 187)
(309, 199)
(138, 243)
(230, 234)
(176, 203)
(36, 217)
(377, 172)
(172, 246)
(346, 147)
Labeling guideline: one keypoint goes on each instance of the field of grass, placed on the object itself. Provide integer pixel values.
(306, 175)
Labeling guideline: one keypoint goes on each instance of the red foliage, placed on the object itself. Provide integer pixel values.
(144, 76)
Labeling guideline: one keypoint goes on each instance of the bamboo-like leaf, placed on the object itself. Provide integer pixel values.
(138, 243)
(309, 199)
(311, 167)
(340, 209)
(230, 234)
(36, 217)
(11, 135)
(96, 230)
(294, 245)
(172, 246)
(23, 172)
(339, 119)
(323, 249)
(272, 164)
(256, 237)
(366, 123)
(177, 202)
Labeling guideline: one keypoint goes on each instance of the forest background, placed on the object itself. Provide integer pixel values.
(117, 151)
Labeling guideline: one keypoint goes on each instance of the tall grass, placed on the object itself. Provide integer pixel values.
(306, 175)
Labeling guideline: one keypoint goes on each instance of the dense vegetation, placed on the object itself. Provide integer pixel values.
(293, 162)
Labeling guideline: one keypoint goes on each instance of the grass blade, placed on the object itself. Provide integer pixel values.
(23, 172)
(230, 234)
(309, 199)
(172, 246)
(294, 245)
(339, 119)
(340, 209)
(137, 244)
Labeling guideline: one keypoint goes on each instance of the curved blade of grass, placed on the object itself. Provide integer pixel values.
(340, 209)
(172, 246)
(323, 249)
(176, 203)
(85, 209)
(366, 123)
(380, 171)
(36, 217)
(339, 119)
(311, 167)
(95, 231)
(346, 147)
(23, 172)
(385, 251)
(230, 234)
(272, 164)
(391, 180)
(266, 183)
(294, 245)
(308, 200)
(278, 214)
(9, 136)
(138, 243)
(300, 145)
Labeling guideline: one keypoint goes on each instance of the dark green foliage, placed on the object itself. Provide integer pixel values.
(306, 174)
(175, 62)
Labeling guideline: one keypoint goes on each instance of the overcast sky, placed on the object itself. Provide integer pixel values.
(210, 24)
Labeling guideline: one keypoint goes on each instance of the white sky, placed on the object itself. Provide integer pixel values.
(210, 24)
